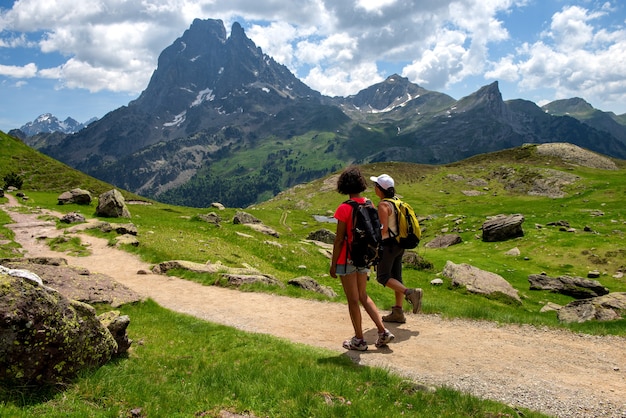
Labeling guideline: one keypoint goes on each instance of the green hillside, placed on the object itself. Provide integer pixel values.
(42, 173)
(209, 362)
(455, 198)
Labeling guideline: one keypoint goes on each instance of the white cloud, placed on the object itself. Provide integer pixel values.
(78, 74)
(117, 42)
(276, 40)
(374, 6)
(443, 63)
(505, 69)
(26, 71)
(576, 59)
(337, 82)
(335, 46)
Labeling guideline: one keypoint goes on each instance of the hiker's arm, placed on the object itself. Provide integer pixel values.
(340, 235)
(383, 213)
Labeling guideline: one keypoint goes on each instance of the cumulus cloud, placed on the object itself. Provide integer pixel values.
(26, 71)
(573, 58)
(335, 46)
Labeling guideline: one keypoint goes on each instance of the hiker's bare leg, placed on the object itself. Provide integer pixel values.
(368, 303)
(351, 289)
(398, 289)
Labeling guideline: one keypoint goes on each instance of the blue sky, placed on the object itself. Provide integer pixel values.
(85, 58)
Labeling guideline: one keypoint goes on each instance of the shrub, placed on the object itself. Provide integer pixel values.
(13, 179)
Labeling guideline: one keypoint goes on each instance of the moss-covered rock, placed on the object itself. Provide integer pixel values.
(45, 337)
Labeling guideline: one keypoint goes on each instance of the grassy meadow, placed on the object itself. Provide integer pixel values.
(180, 366)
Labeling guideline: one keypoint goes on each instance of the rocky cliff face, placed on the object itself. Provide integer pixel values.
(222, 121)
(204, 81)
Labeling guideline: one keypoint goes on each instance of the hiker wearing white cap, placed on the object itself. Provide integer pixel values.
(389, 269)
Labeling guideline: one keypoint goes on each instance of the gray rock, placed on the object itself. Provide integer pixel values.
(44, 337)
(245, 218)
(263, 229)
(308, 283)
(72, 218)
(444, 241)
(78, 196)
(242, 279)
(127, 239)
(603, 308)
(576, 287)
(117, 325)
(111, 204)
(479, 281)
(502, 228)
(124, 229)
(514, 252)
(322, 235)
(212, 218)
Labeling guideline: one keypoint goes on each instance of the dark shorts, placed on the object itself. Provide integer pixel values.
(390, 264)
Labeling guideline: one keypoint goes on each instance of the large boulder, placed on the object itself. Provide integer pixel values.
(503, 227)
(603, 308)
(576, 287)
(78, 196)
(46, 338)
(111, 204)
(479, 281)
(322, 235)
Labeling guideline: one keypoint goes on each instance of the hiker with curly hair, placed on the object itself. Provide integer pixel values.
(389, 269)
(354, 278)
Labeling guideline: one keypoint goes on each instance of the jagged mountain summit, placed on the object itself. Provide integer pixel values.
(204, 81)
(222, 121)
(48, 123)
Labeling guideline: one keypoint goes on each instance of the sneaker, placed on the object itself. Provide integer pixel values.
(355, 343)
(384, 338)
(414, 296)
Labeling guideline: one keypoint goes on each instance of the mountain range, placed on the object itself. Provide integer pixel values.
(48, 123)
(222, 121)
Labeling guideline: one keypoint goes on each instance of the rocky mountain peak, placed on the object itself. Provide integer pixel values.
(394, 91)
(488, 96)
(575, 105)
(205, 66)
(47, 123)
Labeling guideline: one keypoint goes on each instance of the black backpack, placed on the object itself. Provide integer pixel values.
(366, 246)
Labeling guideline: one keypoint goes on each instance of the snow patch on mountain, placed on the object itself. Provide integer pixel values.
(178, 120)
(203, 96)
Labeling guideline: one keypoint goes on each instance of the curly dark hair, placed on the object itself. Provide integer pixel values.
(351, 181)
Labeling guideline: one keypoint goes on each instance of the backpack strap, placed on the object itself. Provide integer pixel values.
(395, 202)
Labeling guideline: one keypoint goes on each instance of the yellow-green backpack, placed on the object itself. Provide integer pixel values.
(409, 232)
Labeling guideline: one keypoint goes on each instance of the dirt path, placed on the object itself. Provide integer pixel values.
(556, 372)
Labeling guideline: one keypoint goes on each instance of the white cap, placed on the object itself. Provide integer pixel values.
(384, 181)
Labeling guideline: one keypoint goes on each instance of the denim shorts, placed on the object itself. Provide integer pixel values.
(343, 269)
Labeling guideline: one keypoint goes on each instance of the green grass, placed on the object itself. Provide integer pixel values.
(68, 245)
(172, 232)
(181, 367)
(159, 371)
